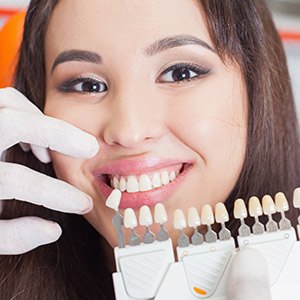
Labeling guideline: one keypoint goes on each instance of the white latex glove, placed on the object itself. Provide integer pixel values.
(248, 276)
(21, 121)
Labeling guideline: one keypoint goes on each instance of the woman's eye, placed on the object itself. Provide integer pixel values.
(84, 85)
(182, 72)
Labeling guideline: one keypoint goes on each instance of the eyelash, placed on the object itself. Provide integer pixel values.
(199, 71)
(69, 86)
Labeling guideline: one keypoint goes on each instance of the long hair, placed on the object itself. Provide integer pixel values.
(241, 31)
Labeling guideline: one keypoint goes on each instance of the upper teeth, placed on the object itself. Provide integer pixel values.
(143, 182)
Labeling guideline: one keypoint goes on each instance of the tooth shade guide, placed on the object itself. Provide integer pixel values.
(214, 248)
(282, 206)
(207, 215)
(255, 210)
(207, 218)
(134, 239)
(193, 218)
(148, 237)
(130, 220)
(161, 217)
(183, 240)
(224, 233)
(199, 291)
(179, 221)
(269, 209)
(193, 222)
(197, 238)
(210, 235)
(281, 202)
(145, 217)
(258, 227)
(221, 216)
(113, 200)
(284, 223)
(240, 212)
(268, 205)
(296, 198)
(118, 224)
(254, 207)
(160, 214)
(162, 234)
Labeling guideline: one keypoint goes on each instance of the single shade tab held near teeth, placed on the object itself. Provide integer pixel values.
(113, 201)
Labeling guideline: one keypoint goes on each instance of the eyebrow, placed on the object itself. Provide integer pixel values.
(154, 48)
(175, 41)
(76, 55)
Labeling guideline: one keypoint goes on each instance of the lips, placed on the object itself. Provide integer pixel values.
(128, 168)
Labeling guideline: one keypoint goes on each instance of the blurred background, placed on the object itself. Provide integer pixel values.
(286, 14)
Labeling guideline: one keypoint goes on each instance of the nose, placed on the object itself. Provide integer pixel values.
(134, 121)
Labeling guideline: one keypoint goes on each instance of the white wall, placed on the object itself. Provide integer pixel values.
(14, 3)
(291, 23)
(293, 55)
(11, 5)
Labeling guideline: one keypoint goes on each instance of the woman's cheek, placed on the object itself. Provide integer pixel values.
(77, 112)
(67, 168)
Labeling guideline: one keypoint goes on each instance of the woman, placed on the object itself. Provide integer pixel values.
(199, 89)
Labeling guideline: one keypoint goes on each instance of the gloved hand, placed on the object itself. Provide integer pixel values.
(248, 276)
(21, 121)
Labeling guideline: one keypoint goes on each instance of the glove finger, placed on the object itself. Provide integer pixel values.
(21, 183)
(10, 97)
(24, 234)
(42, 154)
(248, 276)
(19, 126)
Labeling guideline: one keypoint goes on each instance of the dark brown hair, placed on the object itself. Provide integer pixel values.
(241, 30)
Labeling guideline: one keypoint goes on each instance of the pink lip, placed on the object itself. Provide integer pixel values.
(129, 167)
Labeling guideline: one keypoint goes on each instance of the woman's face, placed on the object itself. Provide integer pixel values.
(144, 79)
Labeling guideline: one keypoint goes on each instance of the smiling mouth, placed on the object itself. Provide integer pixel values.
(144, 182)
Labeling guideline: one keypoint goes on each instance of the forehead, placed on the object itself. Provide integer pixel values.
(131, 24)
